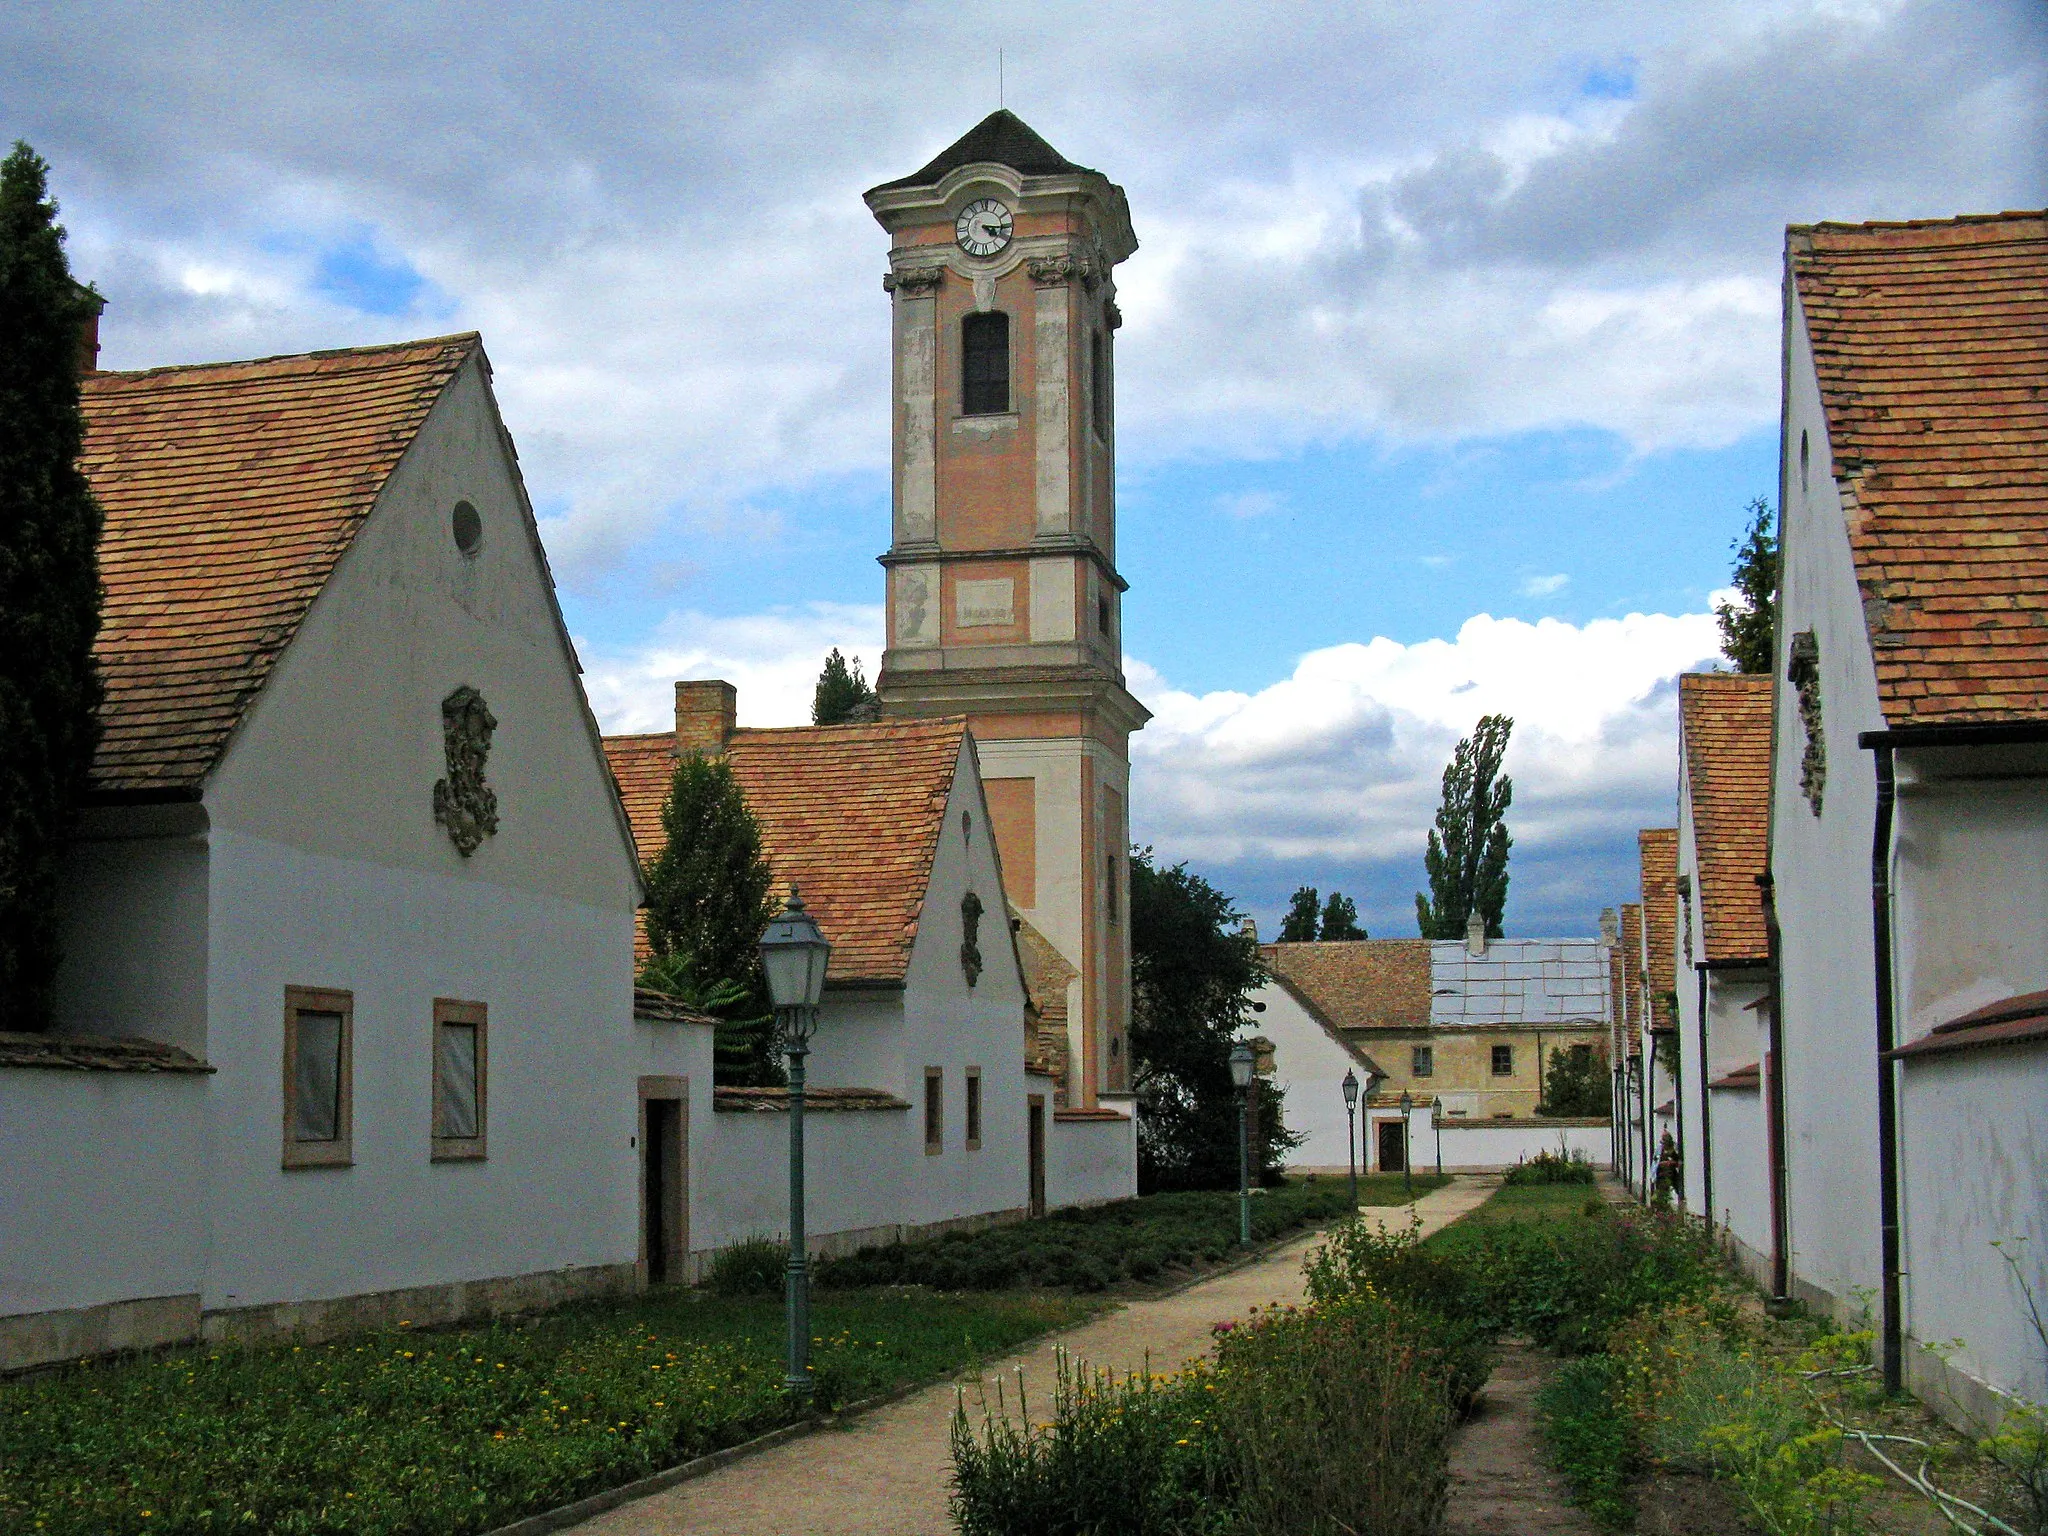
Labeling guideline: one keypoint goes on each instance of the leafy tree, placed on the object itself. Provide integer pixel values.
(1193, 971)
(1747, 624)
(1299, 925)
(49, 582)
(1467, 857)
(843, 695)
(1577, 1084)
(708, 899)
(1340, 918)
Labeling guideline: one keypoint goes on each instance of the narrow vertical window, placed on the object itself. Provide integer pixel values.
(318, 1070)
(1503, 1061)
(1423, 1061)
(934, 1110)
(973, 1108)
(1109, 887)
(460, 1080)
(985, 364)
(1098, 382)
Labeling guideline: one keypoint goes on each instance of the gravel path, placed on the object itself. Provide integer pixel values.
(1500, 1482)
(885, 1473)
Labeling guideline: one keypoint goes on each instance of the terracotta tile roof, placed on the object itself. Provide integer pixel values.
(1658, 848)
(1360, 984)
(775, 1101)
(1930, 341)
(1749, 1078)
(1724, 732)
(2021, 1020)
(95, 1053)
(1632, 974)
(850, 813)
(230, 491)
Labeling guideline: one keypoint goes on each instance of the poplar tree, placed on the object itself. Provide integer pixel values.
(708, 898)
(843, 695)
(1340, 919)
(1299, 925)
(1467, 856)
(1748, 624)
(49, 582)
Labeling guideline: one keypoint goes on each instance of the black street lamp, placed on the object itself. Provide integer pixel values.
(793, 953)
(1407, 1162)
(1351, 1131)
(1242, 1065)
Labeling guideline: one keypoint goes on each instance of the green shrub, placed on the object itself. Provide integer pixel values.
(1587, 1434)
(1557, 1167)
(754, 1267)
(1360, 1258)
(1311, 1422)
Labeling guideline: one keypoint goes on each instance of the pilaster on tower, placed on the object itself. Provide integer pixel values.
(1004, 601)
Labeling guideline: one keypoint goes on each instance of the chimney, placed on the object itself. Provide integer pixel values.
(1249, 929)
(1475, 935)
(89, 332)
(1610, 933)
(705, 711)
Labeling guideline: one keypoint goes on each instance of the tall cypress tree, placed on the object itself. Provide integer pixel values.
(49, 582)
(1467, 857)
(843, 695)
(708, 899)
(1747, 624)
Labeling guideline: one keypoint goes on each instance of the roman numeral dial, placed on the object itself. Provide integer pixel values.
(983, 227)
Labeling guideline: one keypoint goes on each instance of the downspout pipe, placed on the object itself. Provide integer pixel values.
(1706, 1110)
(1774, 1106)
(1892, 1337)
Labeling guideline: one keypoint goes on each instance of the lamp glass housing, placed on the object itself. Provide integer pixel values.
(1242, 1061)
(1350, 1090)
(793, 954)
(1407, 1100)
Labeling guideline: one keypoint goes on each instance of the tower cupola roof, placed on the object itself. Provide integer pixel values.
(1001, 138)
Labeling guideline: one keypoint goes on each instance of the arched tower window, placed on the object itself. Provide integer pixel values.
(985, 364)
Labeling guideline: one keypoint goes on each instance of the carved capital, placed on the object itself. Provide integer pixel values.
(1053, 271)
(914, 283)
(1114, 315)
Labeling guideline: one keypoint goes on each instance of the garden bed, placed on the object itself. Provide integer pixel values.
(432, 1434)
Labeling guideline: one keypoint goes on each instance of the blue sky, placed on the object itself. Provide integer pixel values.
(1450, 358)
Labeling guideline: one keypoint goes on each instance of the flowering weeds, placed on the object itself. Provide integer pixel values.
(411, 1432)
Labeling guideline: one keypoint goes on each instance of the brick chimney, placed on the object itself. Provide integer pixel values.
(1475, 935)
(89, 333)
(705, 714)
(1610, 933)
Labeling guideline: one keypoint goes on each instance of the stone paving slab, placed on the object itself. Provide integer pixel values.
(886, 1473)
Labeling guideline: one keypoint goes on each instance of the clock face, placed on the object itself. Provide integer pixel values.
(983, 227)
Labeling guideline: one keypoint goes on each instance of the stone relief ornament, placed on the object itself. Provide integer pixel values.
(916, 281)
(1050, 271)
(970, 937)
(1804, 676)
(463, 802)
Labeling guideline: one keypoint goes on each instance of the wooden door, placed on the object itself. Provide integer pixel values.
(1393, 1147)
(1036, 1153)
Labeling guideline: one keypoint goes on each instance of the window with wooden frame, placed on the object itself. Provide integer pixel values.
(985, 364)
(973, 1108)
(319, 1090)
(1422, 1061)
(934, 1110)
(1503, 1061)
(461, 1080)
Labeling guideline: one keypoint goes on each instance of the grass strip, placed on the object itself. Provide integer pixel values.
(1587, 1436)
(405, 1434)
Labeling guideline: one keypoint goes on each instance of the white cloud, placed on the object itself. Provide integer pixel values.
(1245, 505)
(1545, 586)
(771, 658)
(1339, 764)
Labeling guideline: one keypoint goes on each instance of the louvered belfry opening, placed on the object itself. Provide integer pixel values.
(985, 364)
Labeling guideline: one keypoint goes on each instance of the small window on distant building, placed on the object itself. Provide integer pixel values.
(985, 364)
(318, 1070)
(934, 1110)
(973, 1108)
(460, 1081)
(1503, 1061)
(467, 527)
(1422, 1061)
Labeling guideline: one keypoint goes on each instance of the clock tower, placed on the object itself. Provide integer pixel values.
(1003, 594)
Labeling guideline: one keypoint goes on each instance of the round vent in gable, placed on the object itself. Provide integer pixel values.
(468, 528)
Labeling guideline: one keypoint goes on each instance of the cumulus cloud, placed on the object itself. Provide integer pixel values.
(1335, 769)
(772, 659)
(1545, 586)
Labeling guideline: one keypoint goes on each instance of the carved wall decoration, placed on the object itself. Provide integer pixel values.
(1051, 271)
(915, 283)
(1804, 675)
(463, 802)
(970, 937)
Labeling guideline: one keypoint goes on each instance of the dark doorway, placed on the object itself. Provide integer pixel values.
(1393, 1147)
(1037, 1153)
(664, 1236)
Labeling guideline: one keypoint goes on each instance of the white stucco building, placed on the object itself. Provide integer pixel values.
(926, 1046)
(1909, 799)
(352, 884)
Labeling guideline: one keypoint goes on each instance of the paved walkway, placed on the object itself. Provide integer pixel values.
(885, 1473)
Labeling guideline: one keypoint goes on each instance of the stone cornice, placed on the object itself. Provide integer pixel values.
(932, 554)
